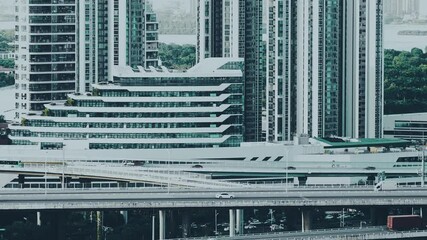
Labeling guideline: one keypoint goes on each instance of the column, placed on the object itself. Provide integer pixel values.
(39, 219)
(306, 219)
(162, 227)
(125, 216)
(232, 222)
(185, 224)
(239, 221)
(99, 223)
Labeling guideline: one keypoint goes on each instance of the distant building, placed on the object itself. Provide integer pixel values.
(6, 70)
(411, 126)
(7, 55)
(400, 8)
(147, 108)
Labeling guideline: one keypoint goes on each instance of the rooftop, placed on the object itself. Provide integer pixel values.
(209, 67)
(334, 142)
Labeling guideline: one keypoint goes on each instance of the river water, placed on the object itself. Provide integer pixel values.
(399, 42)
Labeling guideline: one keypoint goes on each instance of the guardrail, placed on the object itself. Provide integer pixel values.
(334, 233)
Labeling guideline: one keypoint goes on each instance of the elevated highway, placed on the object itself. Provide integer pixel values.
(206, 199)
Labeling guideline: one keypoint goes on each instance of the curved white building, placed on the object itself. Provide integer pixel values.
(145, 109)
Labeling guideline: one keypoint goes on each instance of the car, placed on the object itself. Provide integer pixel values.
(224, 195)
(197, 166)
(292, 168)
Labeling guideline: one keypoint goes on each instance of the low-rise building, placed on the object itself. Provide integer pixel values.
(411, 126)
(147, 109)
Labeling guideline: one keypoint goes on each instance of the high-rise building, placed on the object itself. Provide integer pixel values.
(325, 68)
(65, 46)
(236, 28)
(311, 67)
(47, 58)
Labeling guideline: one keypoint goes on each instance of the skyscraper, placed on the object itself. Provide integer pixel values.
(65, 46)
(325, 68)
(311, 67)
(236, 28)
(47, 43)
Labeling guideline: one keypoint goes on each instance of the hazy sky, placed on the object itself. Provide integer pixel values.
(159, 4)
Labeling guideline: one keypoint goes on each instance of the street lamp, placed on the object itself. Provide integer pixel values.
(169, 177)
(63, 167)
(45, 173)
(422, 165)
(271, 211)
(286, 154)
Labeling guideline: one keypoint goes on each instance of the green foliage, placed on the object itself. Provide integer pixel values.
(24, 122)
(179, 57)
(7, 63)
(6, 79)
(405, 83)
(6, 37)
(69, 102)
(46, 112)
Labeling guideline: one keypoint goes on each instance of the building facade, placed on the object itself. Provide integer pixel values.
(410, 126)
(325, 68)
(147, 108)
(236, 28)
(311, 66)
(47, 43)
(65, 46)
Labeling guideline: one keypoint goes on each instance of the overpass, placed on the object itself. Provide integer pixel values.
(125, 199)
(163, 200)
(207, 176)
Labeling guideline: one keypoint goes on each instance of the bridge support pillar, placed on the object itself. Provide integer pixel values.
(239, 221)
(185, 224)
(302, 181)
(162, 223)
(99, 223)
(125, 216)
(306, 219)
(232, 222)
(39, 219)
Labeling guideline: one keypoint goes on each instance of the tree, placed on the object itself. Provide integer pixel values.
(175, 56)
(405, 82)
